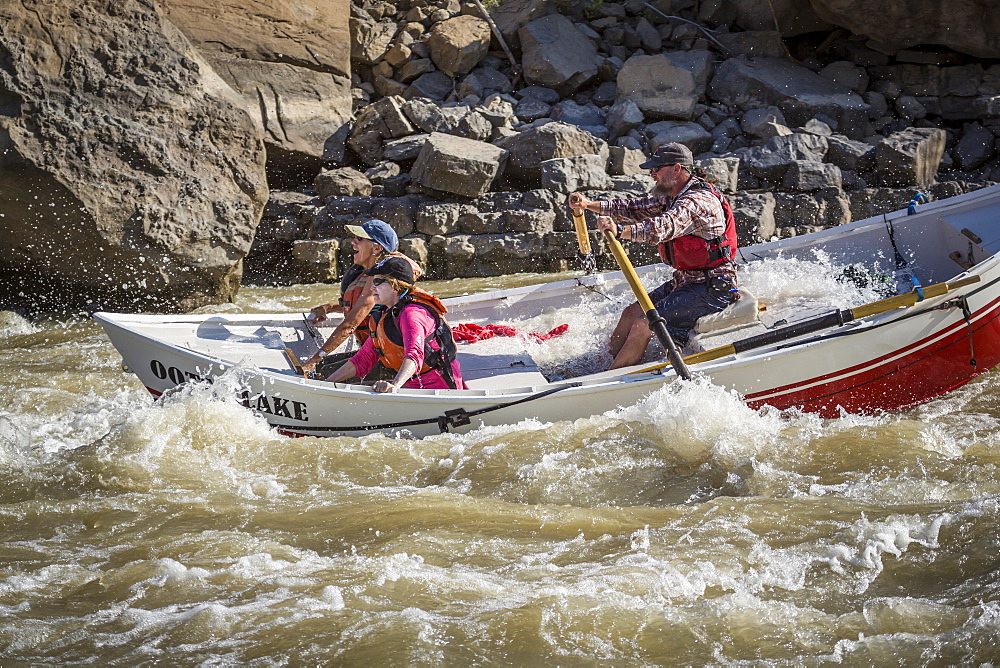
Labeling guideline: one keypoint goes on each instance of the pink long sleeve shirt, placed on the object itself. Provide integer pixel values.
(416, 324)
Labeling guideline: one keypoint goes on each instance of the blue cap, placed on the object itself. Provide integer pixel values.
(378, 231)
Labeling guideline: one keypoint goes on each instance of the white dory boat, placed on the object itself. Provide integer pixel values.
(886, 355)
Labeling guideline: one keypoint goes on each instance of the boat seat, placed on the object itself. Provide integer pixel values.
(742, 313)
(484, 371)
(726, 325)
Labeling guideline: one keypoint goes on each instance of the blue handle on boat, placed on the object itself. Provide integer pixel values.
(920, 198)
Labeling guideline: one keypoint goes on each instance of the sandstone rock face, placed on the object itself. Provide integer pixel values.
(154, 194)
(798, 92)
(790, 17)
(556, 54)
(968, 27)
(307, 33)
(290, 59)
(300, 109)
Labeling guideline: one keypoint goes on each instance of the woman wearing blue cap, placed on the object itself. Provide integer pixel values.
(374, 240)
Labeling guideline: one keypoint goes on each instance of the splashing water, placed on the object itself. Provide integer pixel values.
(683, 529)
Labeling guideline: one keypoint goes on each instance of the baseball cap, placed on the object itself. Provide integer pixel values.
(672, 153)
(393, 267)
(378, 231)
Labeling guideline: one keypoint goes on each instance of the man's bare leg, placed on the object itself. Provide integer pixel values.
(626, 320)
(634, 346)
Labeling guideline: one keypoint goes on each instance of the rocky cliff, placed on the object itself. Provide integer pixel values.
(137, 137)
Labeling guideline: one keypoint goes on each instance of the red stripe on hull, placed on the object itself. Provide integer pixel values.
(927, 372)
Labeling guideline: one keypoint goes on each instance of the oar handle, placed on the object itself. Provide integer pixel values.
(582, 238)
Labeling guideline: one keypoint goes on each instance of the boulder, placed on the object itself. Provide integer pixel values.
(754, 214)
(755, 43)
(800, 93)
(435, 85)
(529, 109)
(623, 117)
(557, 55)
(289, 60)
(581, 115)
(512, 15)
(310, 34)
(764, 123)
(724, 172)
(379, 121)
(910, 157)
(155, 192)
(460, 121)
(771, 160)
(315, 260)
(404, 148)
(370, 40)
(530, 148)
(667, 85)
(343, 181)
(456, 165)
(847, 74)
(300, 109)
(974, 148)
(806, 213)
(965, 27)
(458, 44)
(440, 217)
(624, 161)
(692, 135)
(850, 155)
(580, 172)
(789, 17)
(810, 175)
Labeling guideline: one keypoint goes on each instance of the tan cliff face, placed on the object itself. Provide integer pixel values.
(134, 138)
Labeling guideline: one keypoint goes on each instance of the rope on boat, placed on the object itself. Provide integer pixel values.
(457, 417)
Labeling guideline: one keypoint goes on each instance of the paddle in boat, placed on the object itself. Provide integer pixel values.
(858, 347)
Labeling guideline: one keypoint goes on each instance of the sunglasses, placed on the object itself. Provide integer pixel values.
(379, 281)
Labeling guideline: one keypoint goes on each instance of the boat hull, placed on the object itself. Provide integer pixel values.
(889, 361)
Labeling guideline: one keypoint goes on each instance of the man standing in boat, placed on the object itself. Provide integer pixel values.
(692, 224)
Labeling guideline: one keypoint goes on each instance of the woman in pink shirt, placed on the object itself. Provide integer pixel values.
(409, 335)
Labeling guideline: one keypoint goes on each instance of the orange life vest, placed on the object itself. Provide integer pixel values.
(693, 252)
(351, 286)
(388, 339)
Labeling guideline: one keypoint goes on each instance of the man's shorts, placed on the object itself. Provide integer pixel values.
(682, 307)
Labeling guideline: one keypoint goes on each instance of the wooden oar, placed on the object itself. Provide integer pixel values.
(656, 321)
(583, 241)
(835, 319)
(293, 361)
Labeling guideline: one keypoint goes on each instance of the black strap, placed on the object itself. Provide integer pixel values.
(456, 417)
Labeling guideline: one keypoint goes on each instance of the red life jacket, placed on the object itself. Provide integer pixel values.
(692, 252)
(388, 339)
